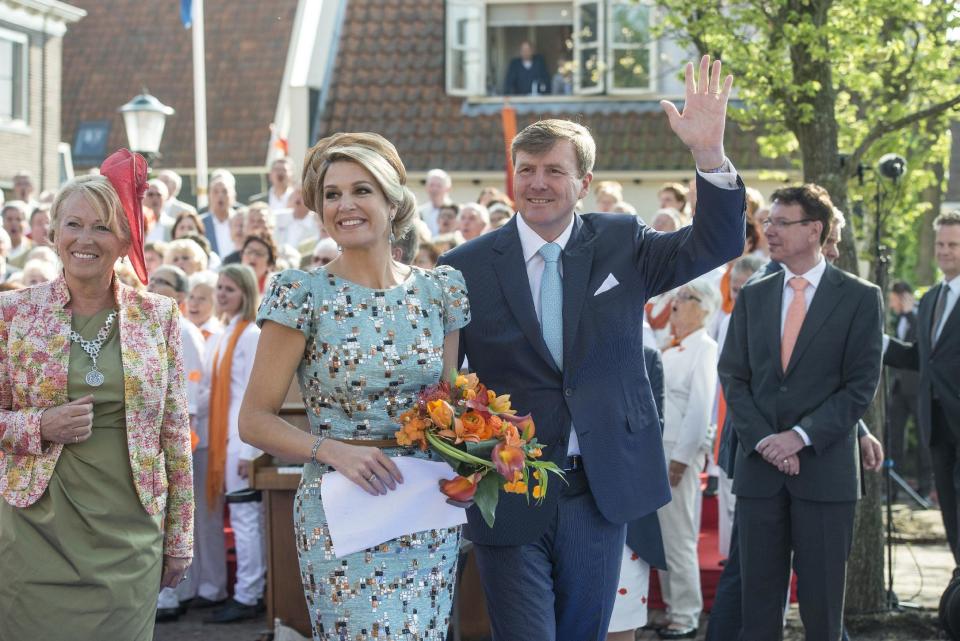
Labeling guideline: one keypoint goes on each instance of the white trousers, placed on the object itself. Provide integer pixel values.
(680, 526)
(207, 576)
(248, 523)
(726, 507)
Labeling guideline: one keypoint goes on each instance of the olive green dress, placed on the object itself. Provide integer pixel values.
(84, 561)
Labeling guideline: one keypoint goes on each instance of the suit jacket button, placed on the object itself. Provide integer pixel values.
(568, 392)
(783, 388)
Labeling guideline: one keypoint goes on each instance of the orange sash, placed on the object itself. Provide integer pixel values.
(725, 292)
(219, 415)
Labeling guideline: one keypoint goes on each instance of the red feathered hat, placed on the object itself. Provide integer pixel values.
(127, 172)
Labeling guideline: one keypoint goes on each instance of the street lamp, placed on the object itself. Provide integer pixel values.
(144, 118)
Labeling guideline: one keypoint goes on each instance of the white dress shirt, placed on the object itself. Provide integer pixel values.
(813, 276)
(225, 245)
(531, 242)
(953, 292)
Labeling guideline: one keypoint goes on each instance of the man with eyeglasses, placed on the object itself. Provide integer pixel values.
(172, 282)
(796, 388)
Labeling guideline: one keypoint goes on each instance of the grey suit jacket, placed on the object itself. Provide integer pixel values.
(829, 382)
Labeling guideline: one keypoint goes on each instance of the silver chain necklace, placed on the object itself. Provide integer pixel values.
(94, 377)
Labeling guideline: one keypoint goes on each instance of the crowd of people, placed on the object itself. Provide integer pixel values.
(716, 339)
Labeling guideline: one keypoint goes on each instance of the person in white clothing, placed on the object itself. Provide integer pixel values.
(200, 303)
(172, 282)
(690, 383)
(438, 193)
(229, 461)
(297, 224)
(281, 174)
(173, 206)
(155, 198)
(216, 221)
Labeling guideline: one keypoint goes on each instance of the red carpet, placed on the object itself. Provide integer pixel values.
(710, 567)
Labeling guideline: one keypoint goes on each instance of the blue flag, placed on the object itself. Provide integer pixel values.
(186, 13)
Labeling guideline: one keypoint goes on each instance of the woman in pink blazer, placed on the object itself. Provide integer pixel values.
(95, 470)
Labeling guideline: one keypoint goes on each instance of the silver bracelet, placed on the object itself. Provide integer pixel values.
(316, 446)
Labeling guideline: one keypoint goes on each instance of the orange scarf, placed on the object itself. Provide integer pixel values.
(725, 291)
(219, 415)
(660, 320)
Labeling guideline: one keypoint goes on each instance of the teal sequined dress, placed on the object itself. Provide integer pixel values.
(368, 353)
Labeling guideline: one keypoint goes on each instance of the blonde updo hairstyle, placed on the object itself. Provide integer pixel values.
(374, 153)
(101, 196)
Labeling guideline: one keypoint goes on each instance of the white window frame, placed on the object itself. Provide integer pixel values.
(610, 44)
(476, 80)
(475, 84)
(598, 43)
(24, 42)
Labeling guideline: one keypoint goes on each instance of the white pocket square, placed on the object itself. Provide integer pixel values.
(609, 283)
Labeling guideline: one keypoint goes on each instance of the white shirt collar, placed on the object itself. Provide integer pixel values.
(953, 284)
(813, 275)
(531, 242)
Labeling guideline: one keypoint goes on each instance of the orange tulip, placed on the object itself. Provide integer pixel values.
(461, 488)
(508, 459)
(441, 413)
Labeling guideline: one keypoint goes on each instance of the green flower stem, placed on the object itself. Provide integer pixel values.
(459, 455)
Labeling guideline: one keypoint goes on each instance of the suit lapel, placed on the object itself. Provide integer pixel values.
(925, 319)
(828, 294)
(577, 259)
(950, 326)
(511, 272)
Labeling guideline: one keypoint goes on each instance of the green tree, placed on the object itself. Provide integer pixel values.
(832, 84)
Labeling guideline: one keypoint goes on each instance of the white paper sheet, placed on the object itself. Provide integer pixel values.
(358, 520)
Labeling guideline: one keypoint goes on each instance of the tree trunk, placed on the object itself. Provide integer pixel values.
(866, 589)
(926, 272)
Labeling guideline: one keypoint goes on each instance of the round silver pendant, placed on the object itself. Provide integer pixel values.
(94, 378)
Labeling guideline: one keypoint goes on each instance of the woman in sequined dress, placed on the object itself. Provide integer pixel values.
(364, 334)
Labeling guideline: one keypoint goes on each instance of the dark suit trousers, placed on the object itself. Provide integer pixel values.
(819, 534)
(725, 615)
(901, 408)
(562, 586)
(945, 449)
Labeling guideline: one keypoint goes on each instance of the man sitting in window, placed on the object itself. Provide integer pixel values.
(527, 75)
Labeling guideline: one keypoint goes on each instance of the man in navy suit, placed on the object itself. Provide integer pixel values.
(527, 74)
(557, 303)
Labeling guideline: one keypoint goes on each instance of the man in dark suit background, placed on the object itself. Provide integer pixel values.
(726, 619)
(557, 302)
(936, 355)
(527, 74)
(796, 388)
(904, 387)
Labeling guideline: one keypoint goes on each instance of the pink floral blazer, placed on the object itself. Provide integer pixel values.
(34, 357)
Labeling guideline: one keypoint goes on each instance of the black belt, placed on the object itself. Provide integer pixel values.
(574, 463)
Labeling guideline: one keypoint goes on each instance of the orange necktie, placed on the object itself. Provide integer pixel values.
(794, 320)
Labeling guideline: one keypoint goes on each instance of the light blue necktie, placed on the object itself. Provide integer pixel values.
(551, 302)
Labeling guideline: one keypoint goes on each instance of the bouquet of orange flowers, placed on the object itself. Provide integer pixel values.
(480, 435)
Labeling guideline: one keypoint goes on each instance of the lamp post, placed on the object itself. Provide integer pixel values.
(143, 118)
